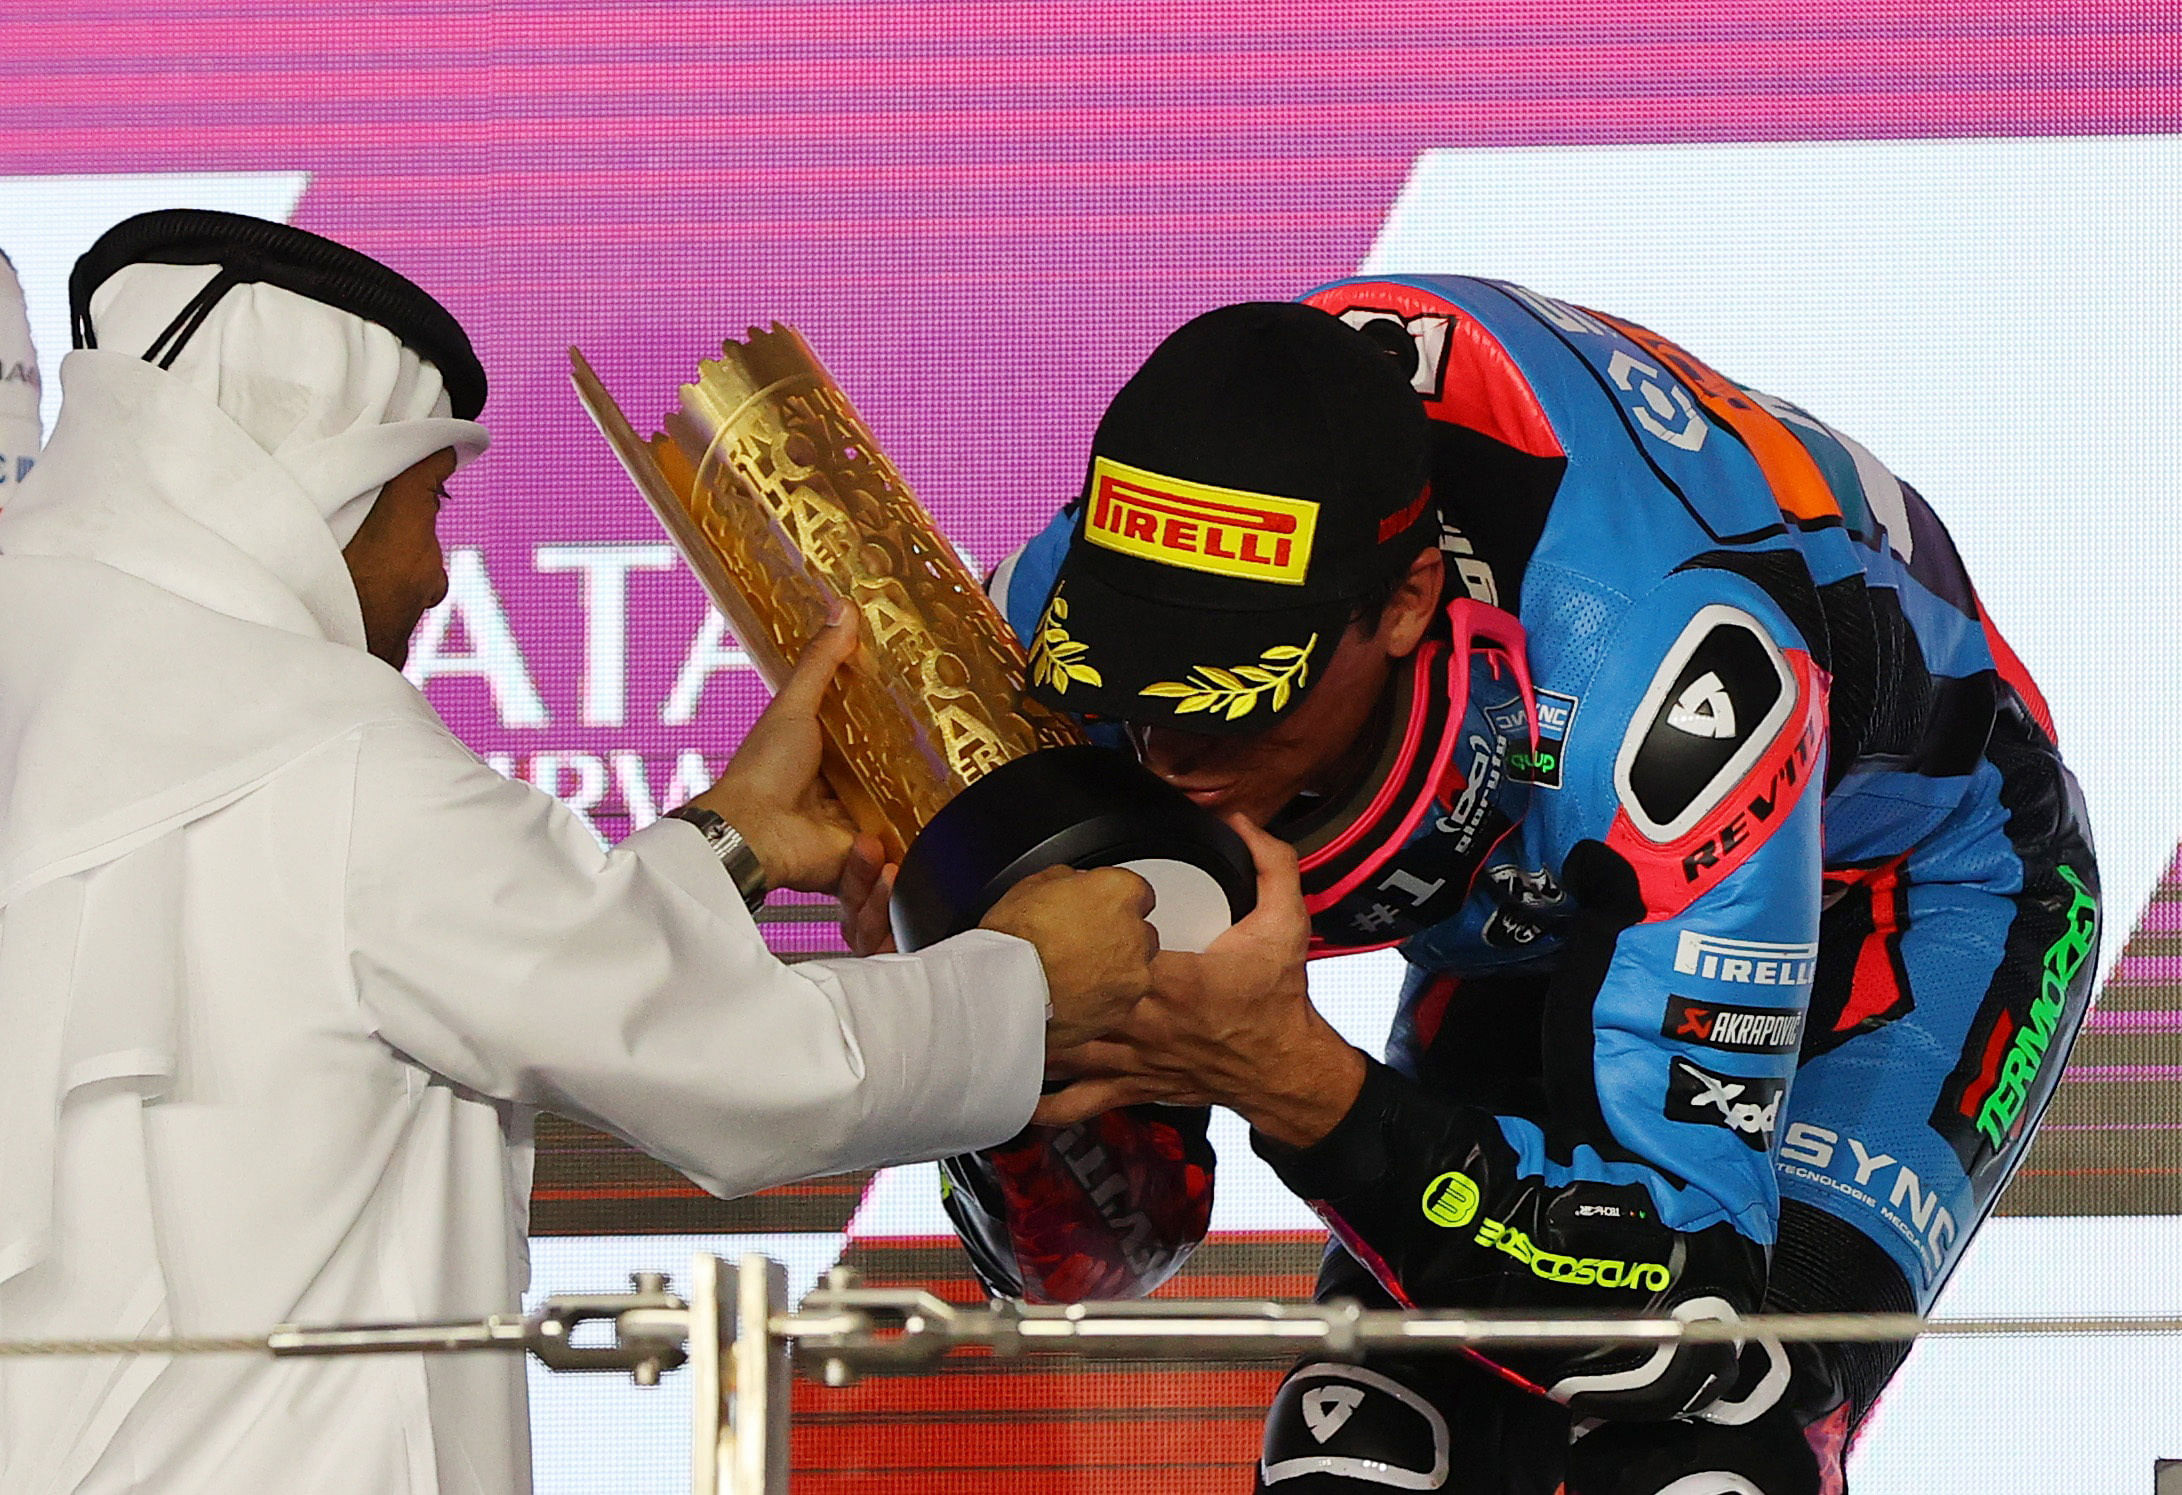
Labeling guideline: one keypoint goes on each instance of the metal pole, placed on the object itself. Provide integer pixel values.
(742, 1341)
(708, 1336)
(758, 1408)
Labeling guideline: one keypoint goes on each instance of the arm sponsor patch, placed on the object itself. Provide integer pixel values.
(1733, 1029)
(1747, 1105)
(1718, 700)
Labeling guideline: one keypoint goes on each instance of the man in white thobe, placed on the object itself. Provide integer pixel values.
(284, 970)
(20, 432)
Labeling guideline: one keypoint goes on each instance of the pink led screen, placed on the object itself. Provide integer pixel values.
(981, 215)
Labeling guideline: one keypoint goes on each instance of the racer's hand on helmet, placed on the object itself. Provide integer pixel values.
(1233, 1026)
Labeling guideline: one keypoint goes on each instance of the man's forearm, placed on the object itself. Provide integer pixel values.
(1304, 1093)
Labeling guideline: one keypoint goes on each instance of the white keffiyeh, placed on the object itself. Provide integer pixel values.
(19, 429)
(234, 477)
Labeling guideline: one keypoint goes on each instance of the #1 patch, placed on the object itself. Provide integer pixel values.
(1418, 344)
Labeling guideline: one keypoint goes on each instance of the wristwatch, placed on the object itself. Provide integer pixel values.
(733, 851)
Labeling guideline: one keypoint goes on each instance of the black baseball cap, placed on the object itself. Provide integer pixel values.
(1264, 470)
(256, 249)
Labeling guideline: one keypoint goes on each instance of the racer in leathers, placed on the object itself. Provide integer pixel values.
(1746, 931)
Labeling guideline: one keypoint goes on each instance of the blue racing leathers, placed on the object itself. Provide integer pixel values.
(1803, 908)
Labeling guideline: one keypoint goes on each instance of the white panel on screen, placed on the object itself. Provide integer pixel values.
(900, 1204)
(2052, 1413)
(50, 220)
(589, 1430)
(1995, 319)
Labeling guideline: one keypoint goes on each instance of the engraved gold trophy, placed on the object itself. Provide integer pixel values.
(776, 493)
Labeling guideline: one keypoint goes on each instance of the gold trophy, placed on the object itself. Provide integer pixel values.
(778, 496)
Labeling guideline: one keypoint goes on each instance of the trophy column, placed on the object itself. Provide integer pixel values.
(777, 494)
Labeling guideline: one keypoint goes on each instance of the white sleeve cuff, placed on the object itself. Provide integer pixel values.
(952, 1037)
(679, 852)
(953, 1040)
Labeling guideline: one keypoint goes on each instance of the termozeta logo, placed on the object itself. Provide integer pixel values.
(2000, 1101)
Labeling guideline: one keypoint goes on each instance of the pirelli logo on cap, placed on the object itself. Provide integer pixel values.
(1253, 536)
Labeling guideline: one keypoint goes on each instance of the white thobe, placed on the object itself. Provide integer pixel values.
(293, 1002)
(19, 430)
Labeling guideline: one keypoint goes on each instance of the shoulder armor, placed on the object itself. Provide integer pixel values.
(1718, 700)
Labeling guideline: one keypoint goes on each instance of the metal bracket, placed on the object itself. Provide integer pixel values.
(650, 1325)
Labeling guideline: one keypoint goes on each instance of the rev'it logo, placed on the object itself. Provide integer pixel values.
(1252, 536)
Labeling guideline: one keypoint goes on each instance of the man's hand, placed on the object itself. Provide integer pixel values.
(1093, 940)
(771, 791)
(867, 895)
(1232, 1027)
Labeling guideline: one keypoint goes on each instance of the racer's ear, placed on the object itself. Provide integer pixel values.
(1415, 603)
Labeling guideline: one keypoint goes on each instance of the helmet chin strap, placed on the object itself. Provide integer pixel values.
(1401, 848)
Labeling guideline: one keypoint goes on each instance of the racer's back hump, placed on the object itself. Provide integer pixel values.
(1604, 459)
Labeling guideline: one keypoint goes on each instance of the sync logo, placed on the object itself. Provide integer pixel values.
(1878, 1181)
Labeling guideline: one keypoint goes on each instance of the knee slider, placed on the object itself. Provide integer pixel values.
(1340, 1427)
(1644, 1385)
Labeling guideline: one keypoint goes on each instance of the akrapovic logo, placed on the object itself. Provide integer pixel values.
(1736, 1030)
(1750, 962)
(1254, 536)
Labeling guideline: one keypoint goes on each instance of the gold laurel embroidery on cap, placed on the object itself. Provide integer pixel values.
(1281, 671)
(1055, 658)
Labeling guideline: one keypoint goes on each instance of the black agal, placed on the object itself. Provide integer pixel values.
(251, 250)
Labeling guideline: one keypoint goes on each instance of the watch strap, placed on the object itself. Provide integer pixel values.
(732, 851)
